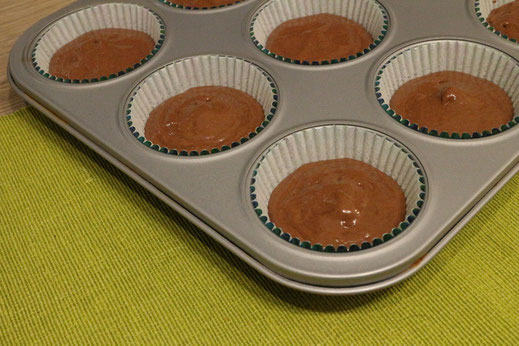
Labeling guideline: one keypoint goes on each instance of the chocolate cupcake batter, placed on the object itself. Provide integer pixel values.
(505, 19)
(453, 102)
(100, 53)
(337, 202)
(204, 118)
(318, 37)
(203, 3)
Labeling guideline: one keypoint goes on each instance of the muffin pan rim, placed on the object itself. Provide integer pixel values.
(305, 287)
(332, 282)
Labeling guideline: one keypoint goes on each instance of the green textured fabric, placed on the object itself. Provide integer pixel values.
(88, 256)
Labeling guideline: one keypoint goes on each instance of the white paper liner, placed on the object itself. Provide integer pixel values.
(483, 9)
(105, 16)
(486, 6)
(368, 13)
(175, 4)
(334, 142)
(203, 70)
(449, 55)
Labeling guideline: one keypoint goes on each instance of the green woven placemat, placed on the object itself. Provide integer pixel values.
(88, 256)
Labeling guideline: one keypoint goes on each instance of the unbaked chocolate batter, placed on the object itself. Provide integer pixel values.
(100, 53)
(453, 102)
(505, 19)
(318, 37)
(337, 202)
(204, 118)
(203, 3)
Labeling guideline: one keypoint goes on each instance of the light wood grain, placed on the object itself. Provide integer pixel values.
(16, 17)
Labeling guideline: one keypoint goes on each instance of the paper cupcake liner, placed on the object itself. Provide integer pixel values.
(175, 5)
(333, 142)
(111, 15)
(448, 55)
(368, 13)
(483, 9)
(204, 70)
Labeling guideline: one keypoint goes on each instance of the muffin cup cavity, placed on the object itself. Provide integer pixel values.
(205, 70)
(333, 142)
(368, 13)
(448, 55)
(483, 9)
(175, 4)
(105, 16)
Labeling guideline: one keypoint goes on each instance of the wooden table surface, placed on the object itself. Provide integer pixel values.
(17, 16)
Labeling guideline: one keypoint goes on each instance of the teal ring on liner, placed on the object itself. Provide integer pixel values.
(488, 26)
(376, 42)
(172, 4)
(204, 152)
(424, 129)
(155, 50)
(342, 248)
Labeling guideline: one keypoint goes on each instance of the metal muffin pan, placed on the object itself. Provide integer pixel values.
(213, 191)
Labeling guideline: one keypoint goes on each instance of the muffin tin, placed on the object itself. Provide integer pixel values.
(214, 190)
